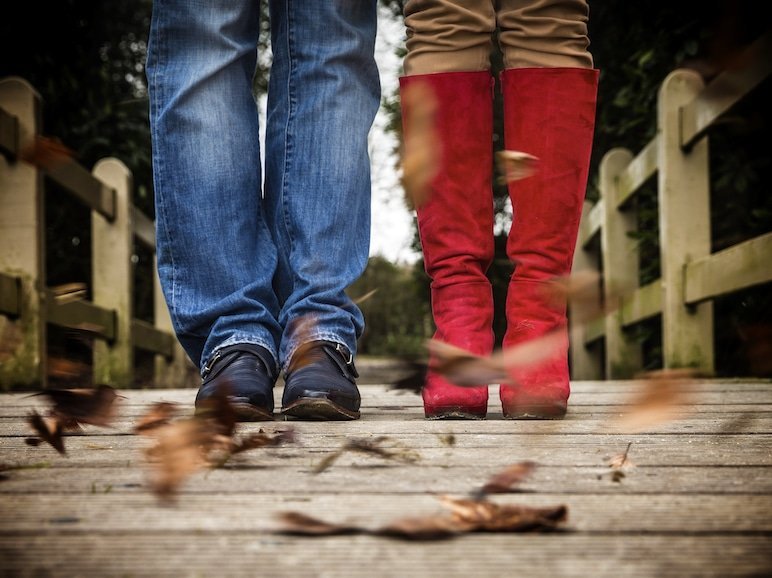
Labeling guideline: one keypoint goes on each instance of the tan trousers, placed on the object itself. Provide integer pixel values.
(457, 35)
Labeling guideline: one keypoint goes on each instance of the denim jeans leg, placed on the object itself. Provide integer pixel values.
(323, 95)
(216, 256)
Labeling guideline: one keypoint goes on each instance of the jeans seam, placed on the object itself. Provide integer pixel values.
(291, 66)
(158, 87)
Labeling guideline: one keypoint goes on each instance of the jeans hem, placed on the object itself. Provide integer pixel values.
(241, 339)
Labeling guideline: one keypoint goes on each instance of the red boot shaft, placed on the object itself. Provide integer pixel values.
(549, 113)
(456, 230)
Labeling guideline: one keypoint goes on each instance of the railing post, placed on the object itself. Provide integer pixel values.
(620, 267)
(585, 364)
(178, 371)
(684, 227)
(22, 254)
(112, 276)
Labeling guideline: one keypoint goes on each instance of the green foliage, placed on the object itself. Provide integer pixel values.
(397, 316)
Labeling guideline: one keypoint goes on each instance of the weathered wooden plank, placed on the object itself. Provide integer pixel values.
(146, 336)
(738, 267)
(9, 134)
(245, 554)
(726, 90)
(144, 228)
(590, 226)
(643, 303)
(566, 450)
(81, 315)
(255, 512)
(411, 421)
(85, 187)
(292, 471)
(638, 171)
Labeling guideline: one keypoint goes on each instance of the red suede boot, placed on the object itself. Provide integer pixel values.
(456, 230)
(548, 113)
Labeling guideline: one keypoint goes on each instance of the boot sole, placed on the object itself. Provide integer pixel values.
(454, 413)
(536, 412)
(319, 410)
(243, 412)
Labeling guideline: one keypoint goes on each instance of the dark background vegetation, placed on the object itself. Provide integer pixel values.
(86, 58)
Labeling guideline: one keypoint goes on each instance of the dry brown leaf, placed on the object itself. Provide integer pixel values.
(665, 395)
(303, 330)
(69, 292)
(620, 464)
(508, 479)
(49, 429)
(362, 298)
(304, 525)
(420, 154)
(46, 153)
(372, 447)
(464, 368)
(515, 165)
(159, 414)
(465, 516)
(262, 440)
(67, 369)
(181, 449)
(95, 406)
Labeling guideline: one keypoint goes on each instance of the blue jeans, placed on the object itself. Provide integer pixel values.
(237, 264)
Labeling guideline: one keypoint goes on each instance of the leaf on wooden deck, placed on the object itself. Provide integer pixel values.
(465, 516)
(373, 447)
(507, 480)
(620, 464)
(262, 440)
(665, 395)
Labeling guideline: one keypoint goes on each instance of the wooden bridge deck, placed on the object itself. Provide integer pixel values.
(698, 502)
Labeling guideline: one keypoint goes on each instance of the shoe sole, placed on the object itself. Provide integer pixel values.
(248, 412)
(536, 412)
(318, 410)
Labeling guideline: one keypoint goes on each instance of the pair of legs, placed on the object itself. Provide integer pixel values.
(241, 259)
(549, 89)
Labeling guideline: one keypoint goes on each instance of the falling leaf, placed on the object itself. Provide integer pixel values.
(46, 153)
(304, 331)
(49, 429)
(218, 411)
(69, 292)
(507, 480)
(180, 450)
(515, 165)
(665, 396)
(67, 369)
(365, 297)
(413, 381)
(420, 154)
(159, 414)
(464, 368)
(371, 447)
(94, 406)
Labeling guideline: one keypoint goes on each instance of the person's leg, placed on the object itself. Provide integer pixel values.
(549, 111)
(216, 258)
(323, 95)
(448, 52)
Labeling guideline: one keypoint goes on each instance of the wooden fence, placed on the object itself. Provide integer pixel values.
(691, 277)
(27, 305)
